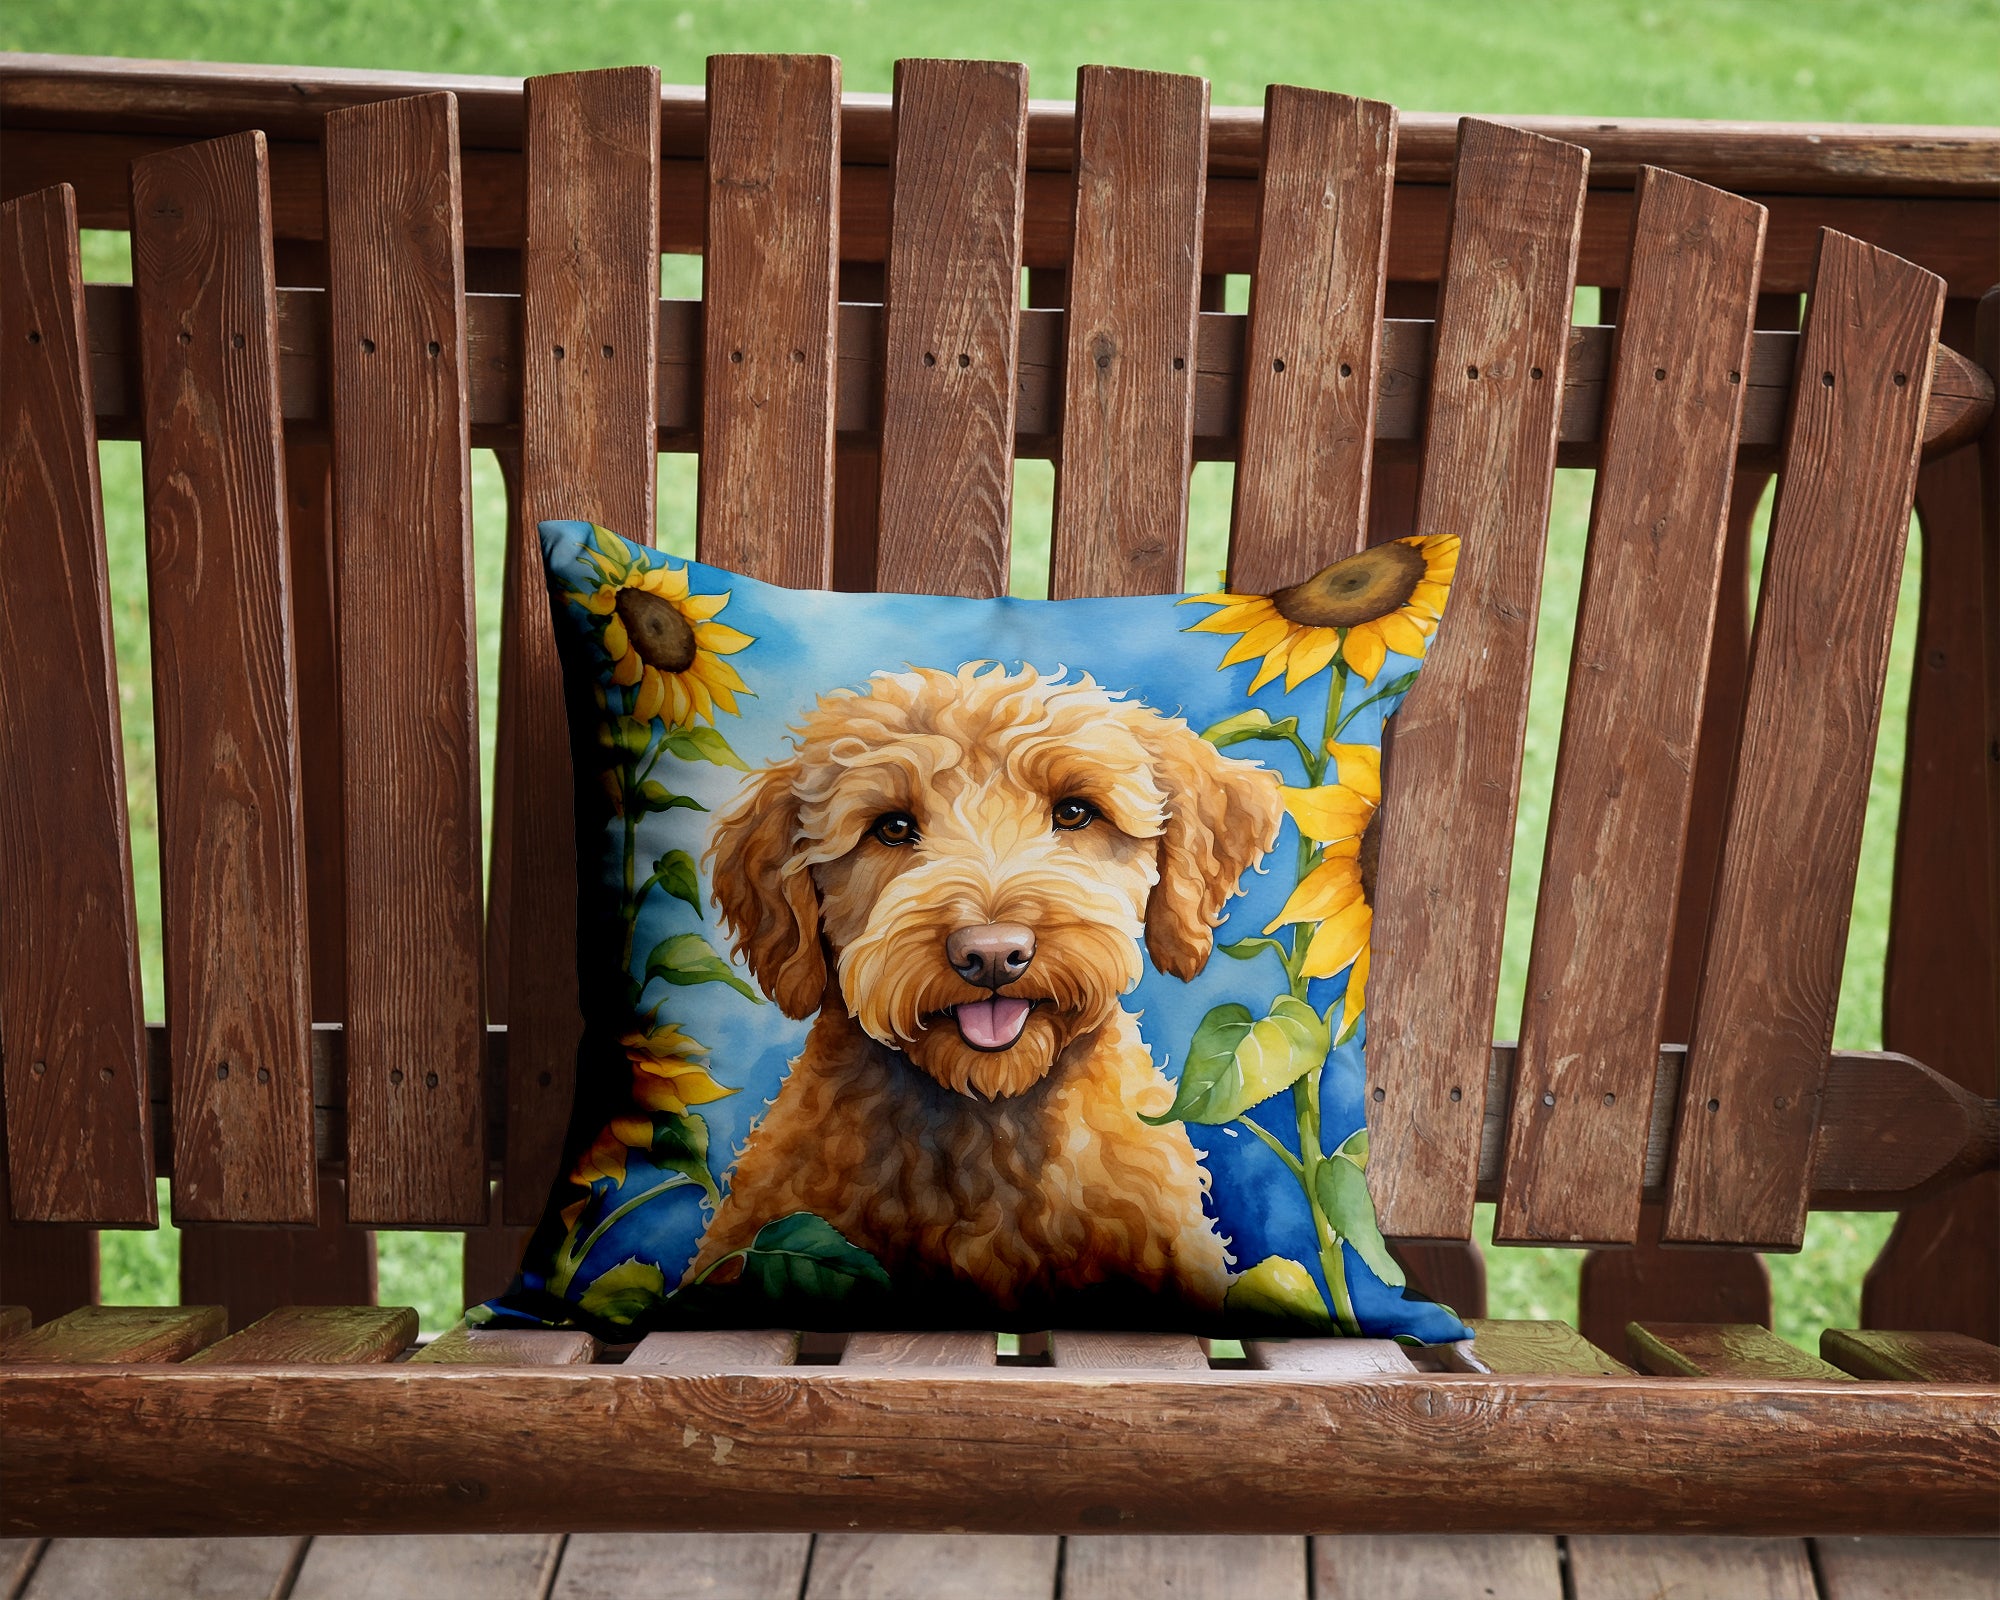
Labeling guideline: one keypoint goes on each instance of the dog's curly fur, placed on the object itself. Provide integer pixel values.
(1019, 1174)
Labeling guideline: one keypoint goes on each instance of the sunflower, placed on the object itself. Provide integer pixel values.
(1388, 597)
(1338, 895)
(663, 640)
(667, 1071)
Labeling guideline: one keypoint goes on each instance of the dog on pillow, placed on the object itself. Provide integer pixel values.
(952, 874)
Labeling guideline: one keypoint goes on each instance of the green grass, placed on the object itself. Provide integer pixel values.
(1858, 60)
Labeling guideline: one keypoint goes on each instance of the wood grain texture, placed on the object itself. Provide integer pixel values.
(1508, 1347)
(254, 1271)
(1907, 1569)
(1916, 1357)
(460, 1346)
(1330, 1358)
(769, 280)
(409, 702)
(1214, 1566)
(1129, 334)
(94, 1335)
(951, 323)
(14, 1320)
(1756, 1069)
(919, 1350)
(727, 1566)
(488, 1566)
(77, 1131)
(589, 341)
(1310, 370)
(412, 1448)
(1619, 1566)
(1721, 1350)
(1361, 1566)
(1447, 832)
(1090, 1351)
(492, 1253)
(1646, 1281)
(318, 1335)
(165, 1569)
(225, 722)
(719, 1350)
(933, 1566)
(49, 1267)
(1987, 344)
(1598, 966)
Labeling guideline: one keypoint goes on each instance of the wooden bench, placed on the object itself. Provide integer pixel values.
(340, 283)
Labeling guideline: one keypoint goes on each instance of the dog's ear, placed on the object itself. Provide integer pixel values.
(1222, 815)
(769, 903)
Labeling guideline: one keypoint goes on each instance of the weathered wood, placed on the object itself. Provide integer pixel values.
(415, 1448)
(769, 351)
(1215, 1566)
(729, 1566)
(1597, 971)
(508, 1347)
(232, 866)
(317, 1335)
(1646, 1281)
(919, 1350)
(1453, 1272)
(1907, 1569)
(1507, 1347)
(13, 1320)
(1751, 1096)
(1090, 1351)
(719, 1350)
(48, 1267)
(589, 338)
(1330, 1358)
(488, 1566)
(1721, 1350)
(933, 1566)
(951, 322)
(1129, 334)
(18, 1558)
(119, 1334)
(165, 1569)
(1489, 465)
(1313, 343)
(77, 1135)
(1361, 1566)
(1618, 1566)
(255, 1271)
(409, 705)
(492, 1253)
(1915, 1357)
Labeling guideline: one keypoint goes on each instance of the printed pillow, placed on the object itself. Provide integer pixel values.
(962, 963)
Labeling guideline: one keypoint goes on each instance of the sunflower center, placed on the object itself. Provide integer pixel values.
(1369, 855)
(657, 630)
(1359, 589)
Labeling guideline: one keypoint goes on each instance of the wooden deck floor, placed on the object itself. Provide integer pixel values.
(667, 1566)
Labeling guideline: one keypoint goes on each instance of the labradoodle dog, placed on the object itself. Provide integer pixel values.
(953, 872)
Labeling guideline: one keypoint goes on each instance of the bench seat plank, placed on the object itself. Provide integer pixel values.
(409, 700)
(1089, 1350)
(255, 1271)
(13, 1320)
(78, 1137)
(509, 1347)
(1331, 1358)
(1913, 1357)
(722, 1350)
(1364, 1566)
(1721, 1350)
(119, 1334)
(316, 1334)
(1506, 1347)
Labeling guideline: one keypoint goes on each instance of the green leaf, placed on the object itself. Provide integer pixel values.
(806, 1255)
(654, 795)
(1343, 1197)
(703, 744)
(624, 1292)
(1393, 687)
(688, 958)
(680, 1144)
(1249, 725)
(1355, 1147)
(676, 874)
(1234, 1063)
(1251, 948)
(628, 734)
(1279, 1290)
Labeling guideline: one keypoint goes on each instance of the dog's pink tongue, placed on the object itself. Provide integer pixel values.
(992, 1024)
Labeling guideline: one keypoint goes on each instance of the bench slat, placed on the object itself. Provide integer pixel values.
(951, 326)
(1915, 1357)
(232, 866)
(1510, 1348)
(1597, 972)
(1454, 773)
(720, 1350)
(1329, 1358)
(409, 702)
(1129, 335)
(508, 1347)
(769, 280)
(321, 1335)
(1750, 1097)
(1721, 1350)
(116, 1335)
(590, 333)
(1089, 1350)
(1501, 1566)
(1314, 340)
(78, 1140)
(255, 1271)
(920, 1350)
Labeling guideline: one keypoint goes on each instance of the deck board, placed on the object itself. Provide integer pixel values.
(1616, 1566)
(1908, 1569)
(445, 1566)
(1503, 1566)
(713, 1566)
(169, 1569)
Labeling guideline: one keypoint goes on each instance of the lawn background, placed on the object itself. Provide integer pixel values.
(1823, 60)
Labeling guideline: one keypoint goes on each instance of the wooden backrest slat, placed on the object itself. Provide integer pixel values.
(589, 338)
(1448, 814)
(951, 325)
(1597, 972)
(1315, 337)
(409, 705)
(1129, 360)
(78, 1134)
(770, 349)
(232, 862)
(1750, 1098)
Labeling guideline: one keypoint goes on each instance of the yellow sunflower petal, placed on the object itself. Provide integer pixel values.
(1363, 650)
(1359, 767)
(663, 1040)
(1255, 641)
(1339, 940)
(1402, 633)
(1330, 887)
(604, 1159)
(680, 700)
(570, 1213)
(651, 696)
(1357, 992)
(617, 643)
(698, 695)
(718, 674)
(1237, 615)
(598, 602)
(1274, 662)
(657, 1094)
(720, 639)
(1327, 813)
(1311, 651)
(700, 607)
(612, 545)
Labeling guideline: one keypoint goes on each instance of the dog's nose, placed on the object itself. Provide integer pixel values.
(991, 955)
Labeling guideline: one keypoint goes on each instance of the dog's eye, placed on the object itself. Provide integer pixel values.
(895, 828)
(1071, 814)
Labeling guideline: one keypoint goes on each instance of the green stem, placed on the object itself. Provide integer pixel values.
(569, 1261)
(720, 1261)
(1297, 1168)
